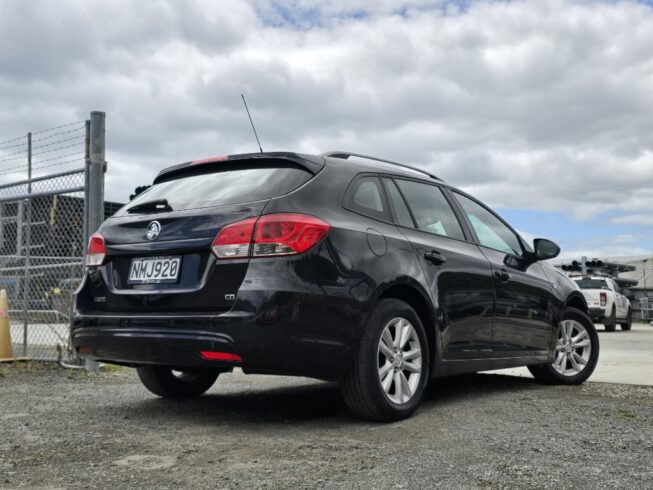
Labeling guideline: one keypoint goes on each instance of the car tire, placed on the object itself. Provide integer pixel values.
(165, 382)
(391, 367)
(576, 338)
(627, 325)
(611, 323)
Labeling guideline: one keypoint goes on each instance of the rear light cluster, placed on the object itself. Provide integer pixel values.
(97, 252)
(268, 236)
(604, 298)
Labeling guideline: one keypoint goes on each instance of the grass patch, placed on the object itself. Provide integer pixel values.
(112, 368)
(77, 374)
(26, 367)
(625, 414)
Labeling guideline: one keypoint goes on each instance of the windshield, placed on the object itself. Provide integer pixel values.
(592, 283)
(219, 188)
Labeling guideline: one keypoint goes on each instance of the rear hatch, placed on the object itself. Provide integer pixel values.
(592, 297)
(592, 289)
(158, 246)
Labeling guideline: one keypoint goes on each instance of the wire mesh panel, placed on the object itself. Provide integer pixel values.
(646, 308)
(42, 215)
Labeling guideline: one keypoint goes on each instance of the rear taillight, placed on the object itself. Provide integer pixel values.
(96, 253)
(604, 298)
(271, 235)
(234, 240)
(287, 234)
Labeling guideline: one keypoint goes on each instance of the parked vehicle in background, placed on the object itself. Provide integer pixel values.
(606, 302)
(367, 272)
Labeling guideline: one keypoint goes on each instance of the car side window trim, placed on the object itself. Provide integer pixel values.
(471, 228)
(462, 218)
(392, 206)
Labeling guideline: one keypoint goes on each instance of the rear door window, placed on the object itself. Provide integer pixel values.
(430, 208)
(233, 185)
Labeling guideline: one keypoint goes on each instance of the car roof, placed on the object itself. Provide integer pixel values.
(312, 163)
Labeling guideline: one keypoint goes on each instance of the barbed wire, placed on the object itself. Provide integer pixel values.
(24, 143)
(58, 127)
(58, 134)
(23, 168)
(35, 164)
(14, 170)
(76, 138)
(13, 139)
(57, 140)
(14, 158)
(52, 150)
(54, 128)
(15, 153)
(80, 159)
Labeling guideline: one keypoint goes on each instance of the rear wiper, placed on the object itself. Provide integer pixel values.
(151, 206)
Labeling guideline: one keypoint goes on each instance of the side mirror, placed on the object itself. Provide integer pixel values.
(545, 249)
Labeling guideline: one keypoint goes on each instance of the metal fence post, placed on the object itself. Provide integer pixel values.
(87, 163)
(95, 194)
(28, 243)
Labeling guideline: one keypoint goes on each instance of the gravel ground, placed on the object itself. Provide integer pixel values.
(66, 429)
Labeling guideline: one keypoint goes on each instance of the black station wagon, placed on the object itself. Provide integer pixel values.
(341, 267)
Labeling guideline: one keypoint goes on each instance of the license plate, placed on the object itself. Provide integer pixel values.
(154, 270)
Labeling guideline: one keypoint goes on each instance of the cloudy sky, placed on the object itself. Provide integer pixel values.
(543, 109)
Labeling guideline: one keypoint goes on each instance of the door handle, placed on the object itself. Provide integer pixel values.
(435, 257)
(503, 275)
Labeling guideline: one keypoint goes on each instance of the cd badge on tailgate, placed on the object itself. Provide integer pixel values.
(153, 230)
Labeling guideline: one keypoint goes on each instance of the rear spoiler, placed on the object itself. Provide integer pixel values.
(312, 163)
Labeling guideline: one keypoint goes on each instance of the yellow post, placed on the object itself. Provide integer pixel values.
(6, 353)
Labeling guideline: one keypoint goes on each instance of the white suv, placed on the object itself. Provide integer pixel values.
(606, 303)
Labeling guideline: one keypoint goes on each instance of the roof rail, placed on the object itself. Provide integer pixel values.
(346, 154)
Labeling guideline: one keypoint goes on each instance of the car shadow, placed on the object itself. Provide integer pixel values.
(318, 401)
(451, 389)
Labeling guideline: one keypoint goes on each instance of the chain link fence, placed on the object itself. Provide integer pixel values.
(45, 205)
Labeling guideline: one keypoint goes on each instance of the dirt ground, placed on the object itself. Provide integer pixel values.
(67, 429)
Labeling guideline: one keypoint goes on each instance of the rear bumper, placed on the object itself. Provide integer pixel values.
(264, 347)
(148, 341)
(597, 313)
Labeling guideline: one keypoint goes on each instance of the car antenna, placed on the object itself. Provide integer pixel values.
(252, 123)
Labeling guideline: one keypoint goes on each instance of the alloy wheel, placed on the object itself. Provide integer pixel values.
(573, 348)
(399, 360)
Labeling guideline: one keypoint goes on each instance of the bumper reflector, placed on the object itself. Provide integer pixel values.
(220, 356)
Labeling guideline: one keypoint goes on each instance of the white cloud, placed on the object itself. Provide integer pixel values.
(633, 219)
(535, 104)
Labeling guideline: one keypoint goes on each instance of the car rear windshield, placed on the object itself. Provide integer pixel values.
(222, 186)
(591, 283)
